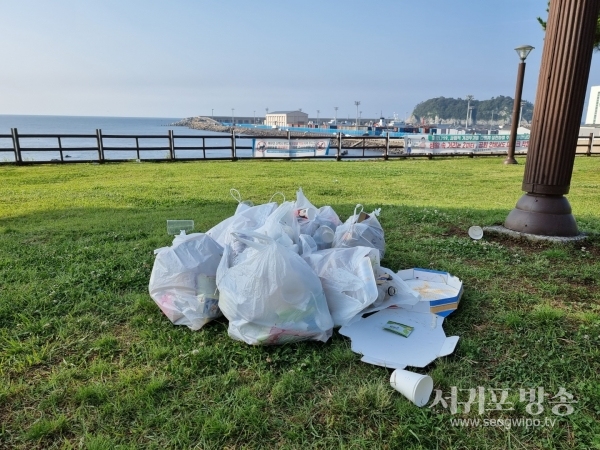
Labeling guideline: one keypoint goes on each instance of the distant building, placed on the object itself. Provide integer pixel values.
(593, 111)
(286, 119)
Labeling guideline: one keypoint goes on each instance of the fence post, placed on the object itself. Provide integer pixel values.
(171, 145)
(387, 147)
(100, 145)
(137, 148)
(16, 145)
(233, 149)
(339, 148)
(590, 144)
(60, 149)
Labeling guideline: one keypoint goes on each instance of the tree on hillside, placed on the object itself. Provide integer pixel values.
(455, 109)
(596, 38)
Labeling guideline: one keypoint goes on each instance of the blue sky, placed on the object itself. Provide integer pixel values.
(179, 58)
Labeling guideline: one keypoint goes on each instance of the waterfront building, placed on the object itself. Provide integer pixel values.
(286, 119)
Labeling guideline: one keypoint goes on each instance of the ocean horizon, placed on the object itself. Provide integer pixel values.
(50, 124)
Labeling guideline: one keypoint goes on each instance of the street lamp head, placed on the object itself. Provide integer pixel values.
(523, 51)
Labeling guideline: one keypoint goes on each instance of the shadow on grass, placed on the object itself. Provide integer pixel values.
(79, 334)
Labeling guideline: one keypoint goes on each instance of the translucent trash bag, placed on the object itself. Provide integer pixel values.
(272, 296)
(348, 279)
(361, 230)
(183, 280)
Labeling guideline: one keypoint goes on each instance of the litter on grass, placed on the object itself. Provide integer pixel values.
(440, 292)
(426, 342)
(282, 273)
(177, 226)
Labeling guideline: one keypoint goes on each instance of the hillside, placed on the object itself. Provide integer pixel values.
(497, 110)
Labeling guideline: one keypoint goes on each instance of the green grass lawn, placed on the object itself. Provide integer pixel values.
(87, 360)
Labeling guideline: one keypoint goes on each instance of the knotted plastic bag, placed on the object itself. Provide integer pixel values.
(183, 280)
(361, 230)
(348, 279)
(310, 218)
(271, 296)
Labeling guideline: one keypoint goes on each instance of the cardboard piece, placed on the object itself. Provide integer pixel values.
(440, 292)
(426, 342)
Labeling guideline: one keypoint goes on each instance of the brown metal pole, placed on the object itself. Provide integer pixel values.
(510, 158)
(566, 61)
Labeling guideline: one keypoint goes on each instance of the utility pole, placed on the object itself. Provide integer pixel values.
(469, 98)
(357, 103)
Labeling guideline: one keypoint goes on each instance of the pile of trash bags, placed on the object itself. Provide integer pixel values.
(279, 273)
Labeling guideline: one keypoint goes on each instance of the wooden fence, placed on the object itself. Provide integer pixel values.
(343, 147)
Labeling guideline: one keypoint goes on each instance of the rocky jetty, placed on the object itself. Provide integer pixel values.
(208, 124)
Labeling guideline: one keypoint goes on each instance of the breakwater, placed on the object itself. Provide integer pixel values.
(207, 124)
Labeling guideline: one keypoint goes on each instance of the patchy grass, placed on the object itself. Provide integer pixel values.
(88, 361)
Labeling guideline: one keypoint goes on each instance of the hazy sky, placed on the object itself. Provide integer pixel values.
(180, 58)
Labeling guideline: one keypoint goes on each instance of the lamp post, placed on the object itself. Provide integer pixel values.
(471, 108)
(469, 98)
(357, 103)
(335, 119)
(522, 51)
(267, 110)
(232, 117)
(318, 117)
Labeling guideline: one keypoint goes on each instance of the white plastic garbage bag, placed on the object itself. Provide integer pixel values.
(248, 219)
(281, 225)
(183, 280)
(348, 279)
(306, 213)
(272, 296)
(326, 216)
(361, 230)
(393, 290)
(310, 218)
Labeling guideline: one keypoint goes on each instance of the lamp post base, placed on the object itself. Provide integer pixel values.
(544, 215)
(510, 160)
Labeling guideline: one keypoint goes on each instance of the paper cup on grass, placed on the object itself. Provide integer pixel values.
(414, 386)
(476, 233)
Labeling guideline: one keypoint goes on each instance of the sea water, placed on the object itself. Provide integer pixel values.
(109, 125)
(34, 124)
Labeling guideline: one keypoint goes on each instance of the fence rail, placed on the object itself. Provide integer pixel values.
(345, 147)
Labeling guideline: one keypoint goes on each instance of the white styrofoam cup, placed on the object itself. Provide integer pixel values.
(414, 386)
